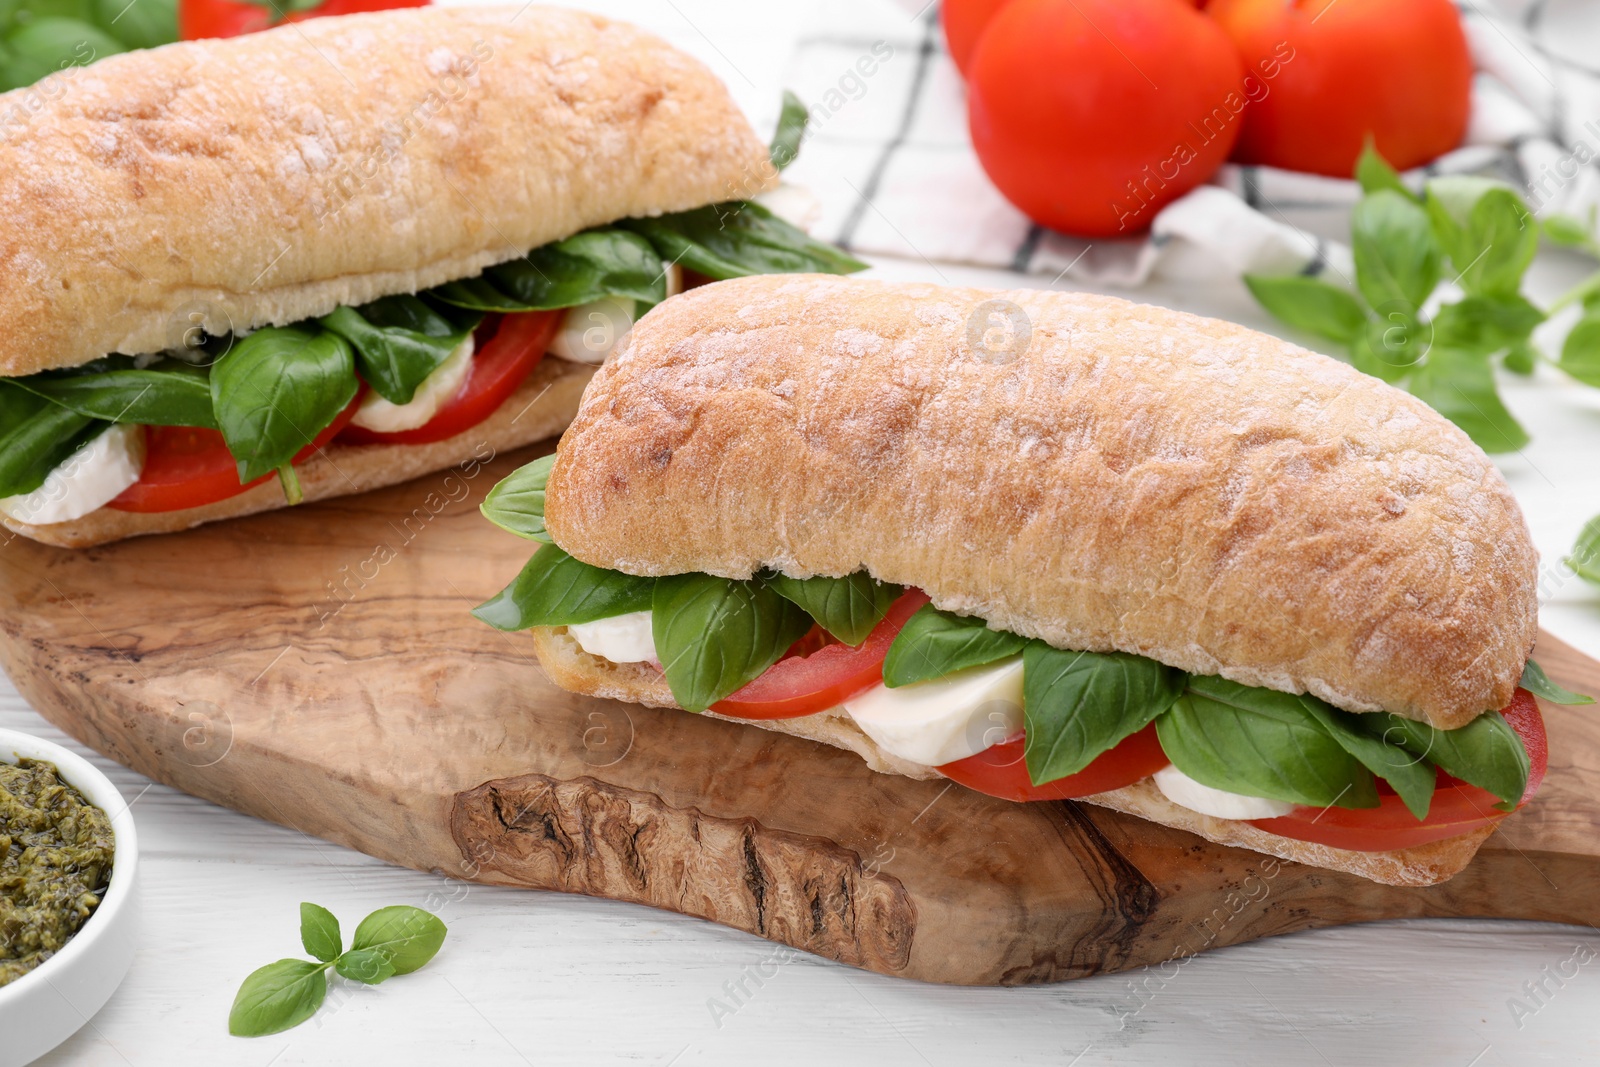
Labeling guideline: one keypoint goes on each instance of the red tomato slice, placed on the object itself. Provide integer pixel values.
(1457, 807)
(515, 344)
(189, 467)
(1000, 771)
(802, 684)
(199, 19)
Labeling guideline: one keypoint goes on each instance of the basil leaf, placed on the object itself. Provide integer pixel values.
(399, 341)
(1261, 743)
(366, 965)
(1374, 173)
(36, 437)
(714, 635)
(516, 505)
(169, 392)
(1449, 202)
(1522, 358)
(1585, 558)
(1397, 259)
(935, 643)
(145, 24)
(1460, 386)
(1310, 304)
(1535, 681)
(554, 589)
(740, 237)
(405, 936)
(1500, 239)
(319, 932)
(276, 390)
(848, 607)
(578, 270)
(1566, 231)
(45, 45)
(792, 120)
(1412, 776)
(1580, 353)
(1483, 325)
(1078, 705)
(1486, 752)
(278, 996)
(1385, 355)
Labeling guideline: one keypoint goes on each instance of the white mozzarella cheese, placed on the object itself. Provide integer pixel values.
(626, 638)
(794, 204)
(86, 481)
(435, 391)
(1188, 793)
(945, 719)
(591, 332)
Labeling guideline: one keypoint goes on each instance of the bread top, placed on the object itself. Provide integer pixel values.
(267, 178)
(1131, 479)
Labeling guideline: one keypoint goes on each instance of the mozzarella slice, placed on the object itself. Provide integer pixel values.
(626, 638)
(1188, 793)
(591, 332)
(86, 481)
(946, 719)
(794, 204)
(435, 391)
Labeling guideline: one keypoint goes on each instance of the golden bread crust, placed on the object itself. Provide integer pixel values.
(1135, 479)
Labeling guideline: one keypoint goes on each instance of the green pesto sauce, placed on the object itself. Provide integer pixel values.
(55, 863)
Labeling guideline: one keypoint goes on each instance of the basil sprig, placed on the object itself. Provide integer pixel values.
(276, 390)
(36, 437)
(848, 608)
(390, 941)
(554, 589)
(935, 643)
(715, 635)
(579, 270)
(1079, 705)
(168, 392)
(400, 340)
(516, 504)
(740, 238)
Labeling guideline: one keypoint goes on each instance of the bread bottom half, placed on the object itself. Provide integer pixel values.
(570, 667)
(540, 408)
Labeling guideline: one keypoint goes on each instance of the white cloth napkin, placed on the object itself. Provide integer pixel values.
(889, 158)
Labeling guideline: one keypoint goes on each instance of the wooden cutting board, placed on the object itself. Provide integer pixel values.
(318, 667)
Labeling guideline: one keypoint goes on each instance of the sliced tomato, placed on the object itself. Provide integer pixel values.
(1000, 771)
(804, 684)
(198, 19)
(509, 347)
(1457, 807)
(189, 467)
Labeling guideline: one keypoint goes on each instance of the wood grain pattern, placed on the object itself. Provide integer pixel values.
(317, 667)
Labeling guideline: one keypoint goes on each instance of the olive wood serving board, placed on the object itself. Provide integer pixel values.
(318, 667)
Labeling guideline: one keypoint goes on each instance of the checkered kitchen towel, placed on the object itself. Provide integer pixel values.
(889, 157)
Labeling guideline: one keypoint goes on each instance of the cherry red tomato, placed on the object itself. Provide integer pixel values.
(198, 19)
(1000, 771)
(189, 467)
(1324, 75)
(512, 346)
(804, 684)
(1456, 808)
(964, 21)
(1092, 115)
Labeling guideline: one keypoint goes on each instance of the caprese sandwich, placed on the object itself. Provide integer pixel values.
(332, 256)
(1139, 558)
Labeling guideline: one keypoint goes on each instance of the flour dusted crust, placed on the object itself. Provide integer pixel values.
(572, 668)
(539, 409)
(1135, 479)
(268, 178)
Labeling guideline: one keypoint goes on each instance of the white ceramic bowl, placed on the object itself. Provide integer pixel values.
(52, 1002)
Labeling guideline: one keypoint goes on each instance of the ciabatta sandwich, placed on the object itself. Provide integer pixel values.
(1050, 546)
(331, 256)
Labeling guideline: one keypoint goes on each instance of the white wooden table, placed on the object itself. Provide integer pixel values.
(539, 978)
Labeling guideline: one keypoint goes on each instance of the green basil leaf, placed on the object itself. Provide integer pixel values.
(1580, 353)
(1397, 259)
(1078, 705)
(276, 390)
(1460, 386)
(554, 589)
(1310, 304)
(399, 341)
(848, 607)
(476, 294)
(45, 45)
(278, 996)
(1535, 681)
(740, 237)
(319, 932)
(1374, 173)
(169, 392)
(1567, 231)
(146, 24)
(405, 936)
(516, 505)
(1521, 358)
(578, 270)
(790, 132)
(714, 635)
(1383, 354)
(1585, 558)
(1483, 325)
(1261, 743)
(1412, 776)
(36, 437)
(1449, 202)
(935, 643)
(366, 965)
(1501, 237)
(1486, 752)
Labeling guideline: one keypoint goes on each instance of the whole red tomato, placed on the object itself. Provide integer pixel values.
(1092, 115)
(1397, 70)
(198, 19)
(964, 21)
